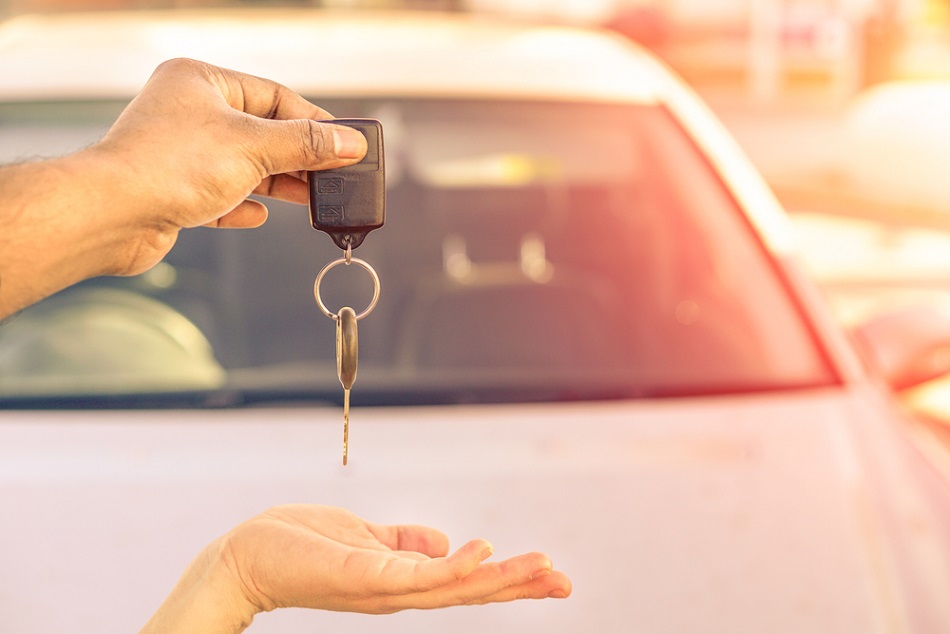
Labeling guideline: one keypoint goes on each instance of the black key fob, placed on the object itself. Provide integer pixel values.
(349, 202)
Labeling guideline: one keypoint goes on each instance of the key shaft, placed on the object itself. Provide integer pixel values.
(347, 351)
(346, 425)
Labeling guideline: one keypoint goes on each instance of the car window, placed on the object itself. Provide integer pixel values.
(532, 251)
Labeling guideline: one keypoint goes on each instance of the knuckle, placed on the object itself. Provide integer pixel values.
(320, 139)
(178, 64)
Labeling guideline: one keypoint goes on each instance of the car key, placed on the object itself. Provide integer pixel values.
(349, 202)
(347, 349)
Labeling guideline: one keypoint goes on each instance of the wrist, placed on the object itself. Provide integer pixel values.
(132, 235)
(206, 599)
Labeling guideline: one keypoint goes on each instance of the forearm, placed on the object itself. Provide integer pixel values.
(62, 221)
(206, 599)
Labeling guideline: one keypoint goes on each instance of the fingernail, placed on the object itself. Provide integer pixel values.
(557, 594)
(348, 142)
(486, 553)
(543, 570)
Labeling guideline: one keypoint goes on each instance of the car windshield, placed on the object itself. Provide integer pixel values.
(533, 251)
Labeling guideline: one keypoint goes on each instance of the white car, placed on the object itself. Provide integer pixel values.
(593, 340)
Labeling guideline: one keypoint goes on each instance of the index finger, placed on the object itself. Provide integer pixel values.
(265, 98)
(407, 537)
(405, 576)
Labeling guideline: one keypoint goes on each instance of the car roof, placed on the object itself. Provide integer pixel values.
(110, 55)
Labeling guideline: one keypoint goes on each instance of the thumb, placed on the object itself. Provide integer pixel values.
(303, 144)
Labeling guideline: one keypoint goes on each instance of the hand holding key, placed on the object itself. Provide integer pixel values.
(187, 151)
(348, 203)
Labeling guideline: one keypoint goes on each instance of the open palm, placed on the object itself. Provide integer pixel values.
(328, 558)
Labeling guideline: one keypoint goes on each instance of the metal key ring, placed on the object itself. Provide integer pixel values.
(346, 260)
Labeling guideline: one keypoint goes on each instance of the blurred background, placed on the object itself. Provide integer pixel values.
(844, 105)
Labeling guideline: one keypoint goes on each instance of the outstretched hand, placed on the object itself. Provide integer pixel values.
(328, 558)
(187, 151)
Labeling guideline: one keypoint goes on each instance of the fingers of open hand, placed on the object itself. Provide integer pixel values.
(543, 585)
(490, 579)
(528, 576)
(400, 575)
(420, 539)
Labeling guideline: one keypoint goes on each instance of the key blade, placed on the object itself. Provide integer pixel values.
(346, 425)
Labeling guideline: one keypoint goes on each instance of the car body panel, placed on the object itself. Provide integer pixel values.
(704, 512)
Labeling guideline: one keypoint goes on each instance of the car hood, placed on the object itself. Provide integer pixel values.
(802, 511)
